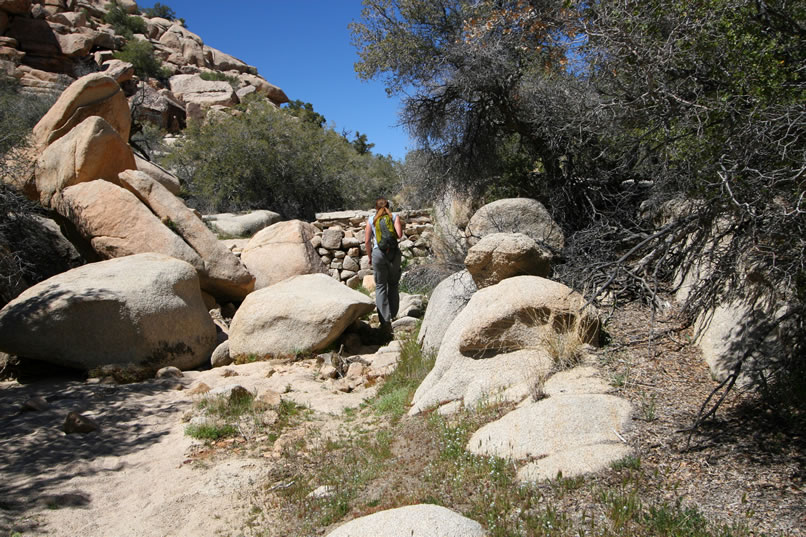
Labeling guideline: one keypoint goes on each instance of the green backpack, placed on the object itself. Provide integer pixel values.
(385, 234)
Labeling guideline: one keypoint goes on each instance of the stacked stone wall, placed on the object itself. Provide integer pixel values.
(340, 242)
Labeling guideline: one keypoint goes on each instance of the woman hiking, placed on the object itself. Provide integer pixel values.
(380, 238)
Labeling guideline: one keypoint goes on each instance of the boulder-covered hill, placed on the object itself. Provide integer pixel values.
(47, 44)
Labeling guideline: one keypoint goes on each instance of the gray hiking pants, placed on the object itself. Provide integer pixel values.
(387, 278)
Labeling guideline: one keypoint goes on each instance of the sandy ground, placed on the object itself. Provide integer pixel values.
(132, 477)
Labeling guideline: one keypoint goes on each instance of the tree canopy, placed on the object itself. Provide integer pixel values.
(608, 110)
(268, 158)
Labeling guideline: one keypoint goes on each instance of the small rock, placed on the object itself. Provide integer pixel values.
(270, 417)
(76, 423)
(199, 389)
(232, 392)
(36, 404)
(229, 373)
(221, 356)
(169, 372)
(369, 282)
(325, 491)
(406, 324)
(342, 385)
(328, 372)
(355, 370)
(270, 397)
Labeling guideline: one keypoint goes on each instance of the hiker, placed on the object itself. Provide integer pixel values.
(383, 230)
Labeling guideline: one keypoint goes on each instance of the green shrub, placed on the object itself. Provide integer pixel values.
(397, 390)
(141, 55)
(210, 431)
(123, 23)
(217, 76)
(268, 159)
(160, 10)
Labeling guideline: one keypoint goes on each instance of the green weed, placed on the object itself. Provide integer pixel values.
(208, 431)
(395, 394)
(647, 407)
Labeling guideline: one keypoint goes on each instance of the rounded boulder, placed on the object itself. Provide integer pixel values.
(423, 520)
(303, 313)
(516, 215)
(144, 310)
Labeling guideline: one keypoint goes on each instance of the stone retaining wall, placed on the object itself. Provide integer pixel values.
(340, 242)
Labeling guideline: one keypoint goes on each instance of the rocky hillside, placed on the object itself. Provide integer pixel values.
(47, 44)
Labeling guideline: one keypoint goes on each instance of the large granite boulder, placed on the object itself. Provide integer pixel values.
(117, 224)
(194, 89)
(274, 94)
(95, 94)
(516, 215)
(222, 61)
(77, 44)
(92, 150)
(156, 26)
(144, 310)
(281, 251)
(496, 346)
(189, 47)
(38, 82)
(119, 70)
(502, 255)
(578, 429)
(223, 275)
(159, 174)
(241, 225)
(303, 313)
(424, 520)
(37, 39)
(448, 299)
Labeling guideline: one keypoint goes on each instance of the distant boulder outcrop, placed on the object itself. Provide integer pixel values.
(47, 45)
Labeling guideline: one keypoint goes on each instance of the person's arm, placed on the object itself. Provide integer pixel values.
(368, 241)
(399, 227)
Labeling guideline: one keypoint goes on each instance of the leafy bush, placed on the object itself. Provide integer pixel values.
(160, 10)
(123, 23)
(141, 55)
(266, 158)
(216, 76)
(606, 111)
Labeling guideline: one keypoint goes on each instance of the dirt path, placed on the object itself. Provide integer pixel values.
(133, 476)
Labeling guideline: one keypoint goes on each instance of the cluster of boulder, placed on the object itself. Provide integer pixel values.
(46, 44)
(495, 327)
(160, 268)
(157, 267)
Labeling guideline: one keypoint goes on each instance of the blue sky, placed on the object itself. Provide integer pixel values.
(302, 46)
